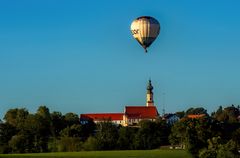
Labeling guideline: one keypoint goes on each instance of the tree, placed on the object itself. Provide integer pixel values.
(228, 150)
(58, 123)
(192, 142)
(34, 129)
(151, 135)
(196, 111)
(91, 144)
(106, 136)
(71, 119)
(45, 127)
(78, 130)
(73, 131)
(228, 114)
(19, 144)
(192, 133)
(232, 113)
(88, 129)
(16, 117)
(126, 138)
(163, 131)
(44, 114)
(178, 133)
(216, 148)
(69, 144)
(236, 138)
(211, 150)
(219, 111)
(180, 114)
(6, 133)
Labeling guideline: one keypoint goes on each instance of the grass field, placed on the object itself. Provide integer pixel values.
(108, 154)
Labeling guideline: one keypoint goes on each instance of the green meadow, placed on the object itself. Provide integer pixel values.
(109, 154)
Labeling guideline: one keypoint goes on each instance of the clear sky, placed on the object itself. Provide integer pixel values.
(79, 56)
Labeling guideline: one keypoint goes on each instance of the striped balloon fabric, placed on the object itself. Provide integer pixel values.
(145, 30)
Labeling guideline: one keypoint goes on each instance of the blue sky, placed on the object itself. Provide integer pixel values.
(79, 56)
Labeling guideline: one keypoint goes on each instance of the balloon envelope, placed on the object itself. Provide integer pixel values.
(145, 30)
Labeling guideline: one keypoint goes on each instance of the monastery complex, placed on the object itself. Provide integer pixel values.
(131, 116)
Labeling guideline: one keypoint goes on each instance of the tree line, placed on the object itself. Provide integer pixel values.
(215, 135)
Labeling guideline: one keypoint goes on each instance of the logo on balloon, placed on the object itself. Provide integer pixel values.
(135, 31)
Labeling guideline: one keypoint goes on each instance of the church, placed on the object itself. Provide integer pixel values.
(131, 116)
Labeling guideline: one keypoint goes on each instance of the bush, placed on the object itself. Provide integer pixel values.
(66, 144)
(4, 149)
(52, 145)
(18, 144)
(91, 144)
(205, 153)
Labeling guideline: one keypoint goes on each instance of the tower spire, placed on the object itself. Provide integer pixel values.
(150, 101)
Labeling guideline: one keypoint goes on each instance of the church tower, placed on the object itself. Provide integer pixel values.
(150, 94)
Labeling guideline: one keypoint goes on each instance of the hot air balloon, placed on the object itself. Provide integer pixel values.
(145, 30)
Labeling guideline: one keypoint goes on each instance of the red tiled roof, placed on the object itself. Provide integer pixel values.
(195, 116)
(143, 112)
(103, 116)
